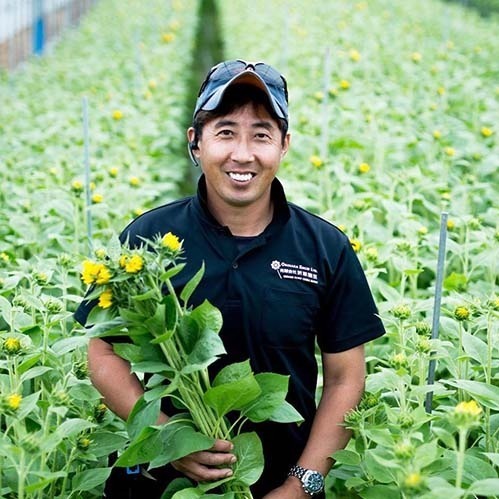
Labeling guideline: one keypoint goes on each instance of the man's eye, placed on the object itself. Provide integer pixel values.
(262, 136)
(225, 133)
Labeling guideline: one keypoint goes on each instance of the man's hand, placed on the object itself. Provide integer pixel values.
(208, 465)
(290, 489)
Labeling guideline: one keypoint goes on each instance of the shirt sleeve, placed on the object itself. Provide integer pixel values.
(349, 315)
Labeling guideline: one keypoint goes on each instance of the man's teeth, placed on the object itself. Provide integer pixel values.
(240, 177)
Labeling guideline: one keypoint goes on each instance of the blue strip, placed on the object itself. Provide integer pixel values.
(135, 470)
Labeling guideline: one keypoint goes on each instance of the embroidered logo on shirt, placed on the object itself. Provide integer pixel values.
(296, 272)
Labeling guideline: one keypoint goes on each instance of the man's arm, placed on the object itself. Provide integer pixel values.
(121, 389)
(344, 378)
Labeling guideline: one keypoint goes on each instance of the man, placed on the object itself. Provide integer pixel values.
(284, 280)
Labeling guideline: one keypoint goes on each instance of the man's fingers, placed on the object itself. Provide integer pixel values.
(215, 458)
(222, 446)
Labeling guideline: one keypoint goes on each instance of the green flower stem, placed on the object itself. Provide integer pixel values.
(463, 433)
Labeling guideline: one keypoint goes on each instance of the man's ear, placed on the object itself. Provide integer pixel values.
(192, 146)
(285, 145)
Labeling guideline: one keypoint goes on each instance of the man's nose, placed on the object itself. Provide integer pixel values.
(242, 151)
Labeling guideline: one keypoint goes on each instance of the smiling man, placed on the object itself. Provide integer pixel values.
(285, 280)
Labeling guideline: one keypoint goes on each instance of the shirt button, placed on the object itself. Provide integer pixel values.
(235, 265)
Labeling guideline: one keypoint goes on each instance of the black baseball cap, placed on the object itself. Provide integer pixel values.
(259, 74)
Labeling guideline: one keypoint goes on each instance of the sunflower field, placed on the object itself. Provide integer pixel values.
(394, 118)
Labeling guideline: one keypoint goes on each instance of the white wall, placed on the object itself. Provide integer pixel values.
(18, 14)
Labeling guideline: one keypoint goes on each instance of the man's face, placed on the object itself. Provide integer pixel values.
(240, 154)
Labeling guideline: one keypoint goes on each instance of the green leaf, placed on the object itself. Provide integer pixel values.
(249, 452)
(488, 487)
(344, 456)
(176, 486)
(191, 286)
(35, 372)
(234, 387)
(274, 388)
(146, 446)
(208, 317)
(113, 327)
(28, 405)
(494, 457)
(143, 414)
(475, 348)
(178, 439)
(208, 347)
(487, 395)
(28, 363)
(380, 492)
(128, 351)
(48, 478)
(172, 272)
(105, 442)
(156, 323)
(88, 479)
(286, 413)
(455, 282)
(70, 344)
(72, 427)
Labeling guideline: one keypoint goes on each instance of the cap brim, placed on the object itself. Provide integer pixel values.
(248, 77)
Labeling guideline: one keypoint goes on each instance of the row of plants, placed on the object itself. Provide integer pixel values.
(128, 61)
(393, 110)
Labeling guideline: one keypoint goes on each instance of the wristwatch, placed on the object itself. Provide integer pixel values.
(312, 481)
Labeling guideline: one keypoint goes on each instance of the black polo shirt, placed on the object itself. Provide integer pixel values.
(296, 283)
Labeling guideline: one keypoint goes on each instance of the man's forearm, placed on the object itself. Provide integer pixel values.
(111, 375)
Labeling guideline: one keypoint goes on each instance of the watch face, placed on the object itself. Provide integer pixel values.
(313, 482)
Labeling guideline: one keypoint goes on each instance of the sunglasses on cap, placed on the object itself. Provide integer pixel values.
(221, 76)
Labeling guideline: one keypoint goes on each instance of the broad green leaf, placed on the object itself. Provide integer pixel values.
(88, 479)
(455, 282)
(274, 388)
(35, 372)
(249, 452)
(105, 442)
(493, 456)
(113, 327)
(207, 349)
(84, 391)
(176, 486)
(48, 478)
(488, 487)
(190, 493)
(485, 394)
(379, 470)
(208, 317)
(475, 348)
(156, 324)
(286, 413)
(344, 456)
(5, 309)
(191, 286)
(67, 345)
(234, 387)
(28, 405)
(426, 454)
(143, 449)
(380, 492)
(72, 427)
(143, 414)
(28, 363)
(177, 440)
(129, 351)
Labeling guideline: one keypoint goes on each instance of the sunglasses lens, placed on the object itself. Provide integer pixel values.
(225, 71)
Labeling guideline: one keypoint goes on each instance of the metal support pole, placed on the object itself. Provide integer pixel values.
(38, 27)
(437, 303)
(86, 161)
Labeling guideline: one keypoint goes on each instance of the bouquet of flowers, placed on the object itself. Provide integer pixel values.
(175, 343)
